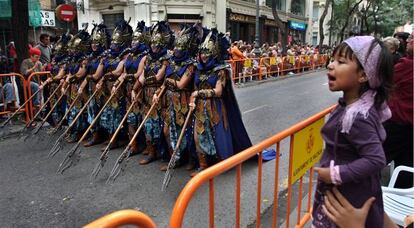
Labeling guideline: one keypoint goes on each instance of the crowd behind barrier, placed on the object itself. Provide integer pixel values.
(250, 69)
(9, 94)
(14, 84)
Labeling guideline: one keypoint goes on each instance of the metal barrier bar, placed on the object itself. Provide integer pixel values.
(289, 196)
(299, 199)
(210, 173)
(29, 80)
(276, 187)
(211, 204)
(238, 192)
(121, 218)
(259, 190)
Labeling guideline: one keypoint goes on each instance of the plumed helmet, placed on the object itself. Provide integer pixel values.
(80, 42)
(215, 45)
(161, 35)
(61, 45)
(189, 38)
(122, 33)
(142, 33)
(100, 35)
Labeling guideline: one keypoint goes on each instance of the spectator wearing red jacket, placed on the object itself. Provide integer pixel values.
(398, 145)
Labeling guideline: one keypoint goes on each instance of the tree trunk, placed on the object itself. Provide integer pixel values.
(281, 26)
(321, 20)
(20, 27)
(347, 20)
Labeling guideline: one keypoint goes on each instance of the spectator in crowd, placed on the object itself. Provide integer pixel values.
(44, 47)
(12, 55)
(3, 63)
(402, 37)
(228, 37)
(237, 56)
(30, 65)
(393, 45)
(398, 145)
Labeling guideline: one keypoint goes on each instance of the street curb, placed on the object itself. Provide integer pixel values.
(254, 83)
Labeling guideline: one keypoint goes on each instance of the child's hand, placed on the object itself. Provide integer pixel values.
(324, 174)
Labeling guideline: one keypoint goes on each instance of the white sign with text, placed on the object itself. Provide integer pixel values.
(48, 18)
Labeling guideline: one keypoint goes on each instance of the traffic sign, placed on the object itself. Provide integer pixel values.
(66, 12)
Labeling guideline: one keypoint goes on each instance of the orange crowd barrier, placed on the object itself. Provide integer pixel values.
(24, 109)
(122, 218)
(35, 76)
(262, 68)
(236, 162)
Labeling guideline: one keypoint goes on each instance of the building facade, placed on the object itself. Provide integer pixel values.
(318, 7)
(235, 16)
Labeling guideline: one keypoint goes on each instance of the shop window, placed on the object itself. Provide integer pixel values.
(315, 13)
(278, 4)
(111, 19)
(298, 7)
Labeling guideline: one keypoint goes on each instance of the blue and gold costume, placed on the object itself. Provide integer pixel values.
(115, 110)
(139, 49)
(157, 59)
(79, 46)
(218, 128)
(179, 82)
(58, 62)
(100, 42)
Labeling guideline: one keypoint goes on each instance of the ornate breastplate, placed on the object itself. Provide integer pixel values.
(151, 72)
(206, 80)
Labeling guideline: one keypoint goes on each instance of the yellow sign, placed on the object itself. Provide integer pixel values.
(272, 60)
(248, 63)
(307, 149)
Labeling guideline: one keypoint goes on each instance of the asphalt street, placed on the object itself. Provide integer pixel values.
(32, 194)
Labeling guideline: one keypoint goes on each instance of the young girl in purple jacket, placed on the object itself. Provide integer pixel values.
(353, 135)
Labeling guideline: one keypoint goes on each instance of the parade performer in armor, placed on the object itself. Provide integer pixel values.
(155, 65)
(100, 43)
(139, 49)
(79, 48)
(218, 128)
(113, 67)
(60, 56)
(179, 82)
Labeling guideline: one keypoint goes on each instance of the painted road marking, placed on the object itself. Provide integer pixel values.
(254, 109)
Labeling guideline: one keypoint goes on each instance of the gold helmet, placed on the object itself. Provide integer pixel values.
(161, 35)
(100, 35)
(81, 42)
(141, 34)
(122, 34)
(189, 38)
(215, 45)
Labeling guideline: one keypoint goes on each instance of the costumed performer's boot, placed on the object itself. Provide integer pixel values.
(95, 139)
(152, 155)
(203, 163)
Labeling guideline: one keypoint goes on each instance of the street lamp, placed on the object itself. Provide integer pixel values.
(256, 49)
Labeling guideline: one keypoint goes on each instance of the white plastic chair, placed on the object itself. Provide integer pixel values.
(398, 203)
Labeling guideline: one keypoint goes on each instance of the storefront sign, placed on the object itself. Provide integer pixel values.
(242, 18)
(307, 149)
(48, 18)
(270, 23)
(297, 25)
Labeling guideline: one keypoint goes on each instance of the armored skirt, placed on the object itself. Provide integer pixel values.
(115, 110)
(218, 123)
